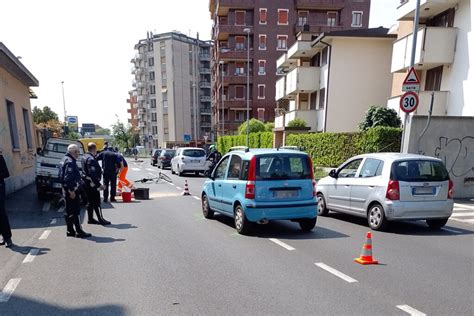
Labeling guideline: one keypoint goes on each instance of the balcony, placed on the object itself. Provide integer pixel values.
(141, 98)
(221, 7)
(435, 47)
(320, 4)
(237, 79)
(302, 80)
(439, 103)
(134, 83)
(141, 125)
(205, 98)
(205, 57)
(234, 104)
(280, 88)
(300, 49)
(204, 85)
(133, 70)
(317, 27)
(309, 116)
(234, 54)
(141, 111)
(222, 31)
(204, 70)
(428, 8)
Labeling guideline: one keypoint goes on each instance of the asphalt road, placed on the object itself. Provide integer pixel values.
(162, 257)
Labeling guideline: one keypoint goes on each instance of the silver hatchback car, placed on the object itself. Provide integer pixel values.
(385, 187)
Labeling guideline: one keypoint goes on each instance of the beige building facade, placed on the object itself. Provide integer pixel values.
(17, 134)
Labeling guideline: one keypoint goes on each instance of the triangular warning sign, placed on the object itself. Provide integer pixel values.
(412, 77)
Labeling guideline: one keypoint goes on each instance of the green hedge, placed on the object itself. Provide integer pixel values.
(332, 149)
(257, 140)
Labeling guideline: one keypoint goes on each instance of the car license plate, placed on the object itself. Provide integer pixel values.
(57, 185)
(423, 190)
(195, 161)
(283, 194)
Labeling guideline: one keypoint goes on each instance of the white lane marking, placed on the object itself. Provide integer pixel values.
(136, 169)
(31, 256)
(281, 243)
(149, 169)
(151, 174)
(8, 290)
(452, 230)
(462, 214)
(45, 235)
(46, 206)
(53, 221)
(61, 209)
(171, 184)
(337, 273)
(196, 198)
(410, 310)
(179, 188)
(462, 220)
(470, 207)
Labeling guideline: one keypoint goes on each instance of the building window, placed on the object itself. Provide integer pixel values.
(239, 116)
(302, 18)
(433, 79)
(26, 120)
(152, 89)
(239, 17)
(356, 19)
(239, 68)
(239, 43)
(153, 118)
(163, 60)
(239, 92)
(166, 130)
(332, 18)
(282, 42)
(261, 114)
(322, 99)
(261, 91)
(312, 100)
(324, 56)
(152, 75)
(150, 47)
(153, 103)
(282, 16)
(261, 67)
(12, 124)
(154, 128)
(151, 61)
(263, 16)
(262, 42)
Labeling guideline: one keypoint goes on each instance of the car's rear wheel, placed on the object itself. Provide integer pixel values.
(180, 172)
(206, 209)
(242, 225)
(172, 170)
(307, 224)
(376, 217)
(436, 223)
(197, 173)
(322, 208)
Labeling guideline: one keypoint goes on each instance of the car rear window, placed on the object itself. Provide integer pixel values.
(194, 153)
(419, 171)
(283, 167)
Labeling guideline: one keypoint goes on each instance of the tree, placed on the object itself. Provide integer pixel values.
(255, 126)
(380, 116)
(73, 135)
(102, 131)
(44, 115)
(297, 122)
(269, 126)
(120, 134)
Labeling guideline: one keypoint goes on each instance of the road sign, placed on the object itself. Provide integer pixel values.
(73, 123)
(187, 138)
(409, 102)
(411, 82)
(88, 128)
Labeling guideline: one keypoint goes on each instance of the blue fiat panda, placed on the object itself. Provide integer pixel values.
(259, 185)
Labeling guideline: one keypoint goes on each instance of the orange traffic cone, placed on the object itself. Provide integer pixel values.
(366, 256)
(186, 189)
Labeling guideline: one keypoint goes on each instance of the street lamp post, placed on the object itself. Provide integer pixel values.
(222, 96)
(247, 30)
(64, 102)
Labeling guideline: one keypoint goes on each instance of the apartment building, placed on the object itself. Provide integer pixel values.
(173, 88)
(133, 108)
(331, 79)
(17, 133)
(443, 55)
(252, 34)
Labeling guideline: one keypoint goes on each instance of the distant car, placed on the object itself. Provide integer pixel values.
(259, 185)
(164, 160)
(189, 159)
(154, 156)
(386, 187)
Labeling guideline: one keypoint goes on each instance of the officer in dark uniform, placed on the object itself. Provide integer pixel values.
(110, 163)
(71, 179)
(5, 229)
(92, 174)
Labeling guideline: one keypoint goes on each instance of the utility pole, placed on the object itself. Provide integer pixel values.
(247, 30)
(222, 97)
(64, 103)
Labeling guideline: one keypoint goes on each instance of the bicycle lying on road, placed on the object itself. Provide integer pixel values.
(160, 178)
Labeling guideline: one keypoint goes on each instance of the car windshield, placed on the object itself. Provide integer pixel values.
(283, 167)
(419, 171)
(194, 153)
(169, 153)
(157, 152)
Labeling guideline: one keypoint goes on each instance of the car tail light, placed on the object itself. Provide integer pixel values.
(451, 189)
(393, 190)
(250, 186)
(311, 172)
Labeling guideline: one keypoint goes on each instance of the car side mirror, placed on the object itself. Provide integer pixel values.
(333, 173)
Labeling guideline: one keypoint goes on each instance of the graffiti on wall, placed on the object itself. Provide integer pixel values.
(457, 154)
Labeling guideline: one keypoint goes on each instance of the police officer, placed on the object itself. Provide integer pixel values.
(71, 179)
(92, 174)
(5, 229)
(110, 165)
(214, 154)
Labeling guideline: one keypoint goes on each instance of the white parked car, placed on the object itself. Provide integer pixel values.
(385, 187)
(189, 159)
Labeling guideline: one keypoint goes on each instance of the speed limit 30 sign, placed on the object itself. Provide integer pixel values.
(409, 102)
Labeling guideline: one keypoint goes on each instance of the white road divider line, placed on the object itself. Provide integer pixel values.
(452, 230)
(151, 174)
(46, 206)
(462, 214)
(31, 256)
(171, 184)
(8, 290)
(149, 169)
(179, 188)
(464, 206)
(53, 221)
(196, 198)
(45, 235)
(462, 220)
(136, 169)
(410, 310)
(337, 273)
(61, 209)
(282, 244)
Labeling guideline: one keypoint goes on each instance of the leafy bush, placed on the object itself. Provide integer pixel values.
(269, 126)
(297, 122)
(380, 116)
(256, 140)
(255, 126)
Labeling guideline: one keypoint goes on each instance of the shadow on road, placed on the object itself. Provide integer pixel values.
(104, 240)
(18, 305)
(24, 250)
(121, 226)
